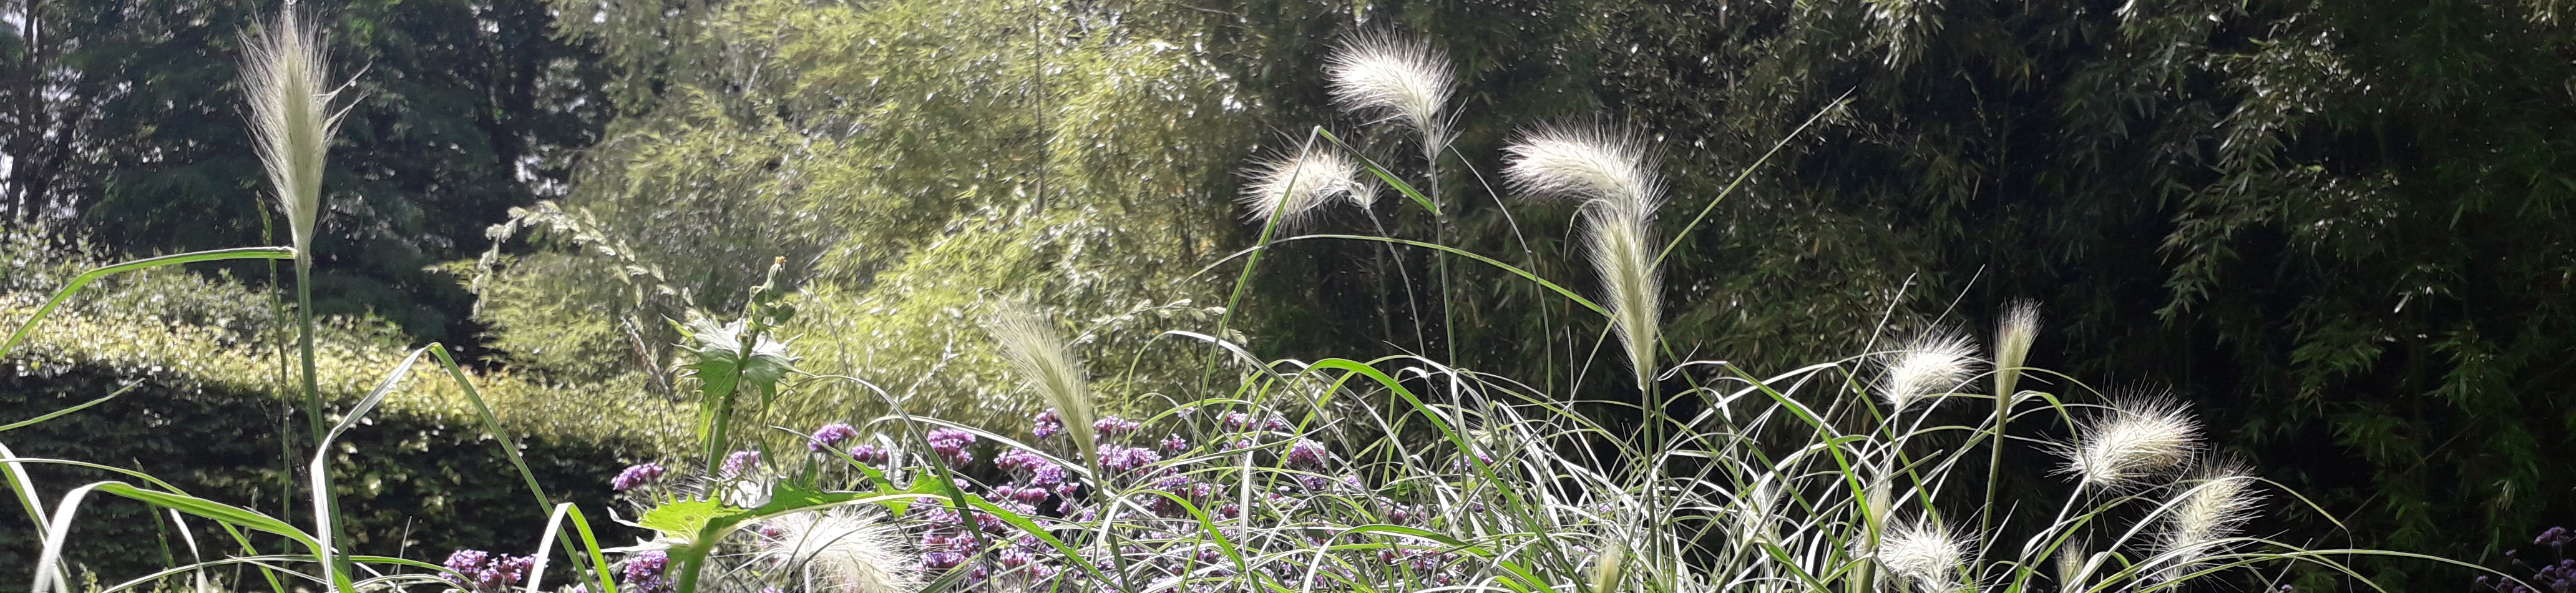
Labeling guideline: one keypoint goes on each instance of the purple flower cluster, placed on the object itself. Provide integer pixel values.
(739, 461)
(870, 454)
(830, 437)
(989, 546)
(483, 572)
(1308, 454)
(2548, 576)
(1047, 424)
(951, 443)
(646, 572)
(636, 475)
(1127, 459)
(1113, 426)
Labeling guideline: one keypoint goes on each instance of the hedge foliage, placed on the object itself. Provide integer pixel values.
(208, 411)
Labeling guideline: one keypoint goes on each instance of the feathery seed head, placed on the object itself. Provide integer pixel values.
(1605, 167)
(839, 551)
(2013, 335)
(1044, 362)
(1607, 564)
(1926, 553)
(2070, 567)
(1933, 363)
(2216, 501)
(1623, 253)
(1397, 78)
(291, 117)
(1294, 188)
(2131, 441)
(1614, 174)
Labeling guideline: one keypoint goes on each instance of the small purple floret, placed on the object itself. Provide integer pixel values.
(636, 475)
(830, 437)
(739, 461)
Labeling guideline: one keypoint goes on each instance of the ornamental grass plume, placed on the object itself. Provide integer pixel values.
(2069, 565)
(1935, 362)
(1288, 192)
(1614, 174)
(2013, 336)
(1398, 79)
(840, 552)
(291, 117)
(2215, 502)
(2131, 440)
(1045, 362)
(1607, 566)
(1925, 553)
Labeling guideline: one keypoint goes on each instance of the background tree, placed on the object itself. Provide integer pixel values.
(122, 119)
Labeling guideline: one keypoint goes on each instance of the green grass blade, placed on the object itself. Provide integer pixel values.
(59, 413)
(29, 326)
(326, 516)
(510, 450)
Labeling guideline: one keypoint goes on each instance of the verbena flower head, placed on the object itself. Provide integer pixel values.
(1293, 189)
(1046, 424)
(1925, 553)
(1934, 363)
(1308, 453)
(739, 461)
(1396, 78)
(1045, 363)
(830, 437)
(840, 550)
(951, 443)
(2132, 440)
(291, 117)
(2214, 504)
(483, 572)
(636, 475)
(869, 454)
(646, 572)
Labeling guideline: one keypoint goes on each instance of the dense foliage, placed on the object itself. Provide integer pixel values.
(202, 408)
(125, 118)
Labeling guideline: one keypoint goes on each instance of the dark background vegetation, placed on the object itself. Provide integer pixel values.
(2341, 230)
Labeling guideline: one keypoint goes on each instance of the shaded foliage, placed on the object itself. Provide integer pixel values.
(125, 118)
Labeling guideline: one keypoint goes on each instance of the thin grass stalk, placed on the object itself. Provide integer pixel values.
(2013, 337)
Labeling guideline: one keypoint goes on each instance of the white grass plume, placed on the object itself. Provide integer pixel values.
(1607, 566)
(1926, 553)
(1595, 163)
(1400, 79)
(2215, 502)
(291, 117)
(1614, 173)
(2070, 567)
(1294, 188)
(2132, 440)
(1935, 362)
(840, 552)
(1045, 362)
(2013, 336)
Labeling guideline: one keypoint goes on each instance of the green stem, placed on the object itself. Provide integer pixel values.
(313, 410)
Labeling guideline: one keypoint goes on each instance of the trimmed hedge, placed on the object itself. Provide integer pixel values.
(417, 478)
